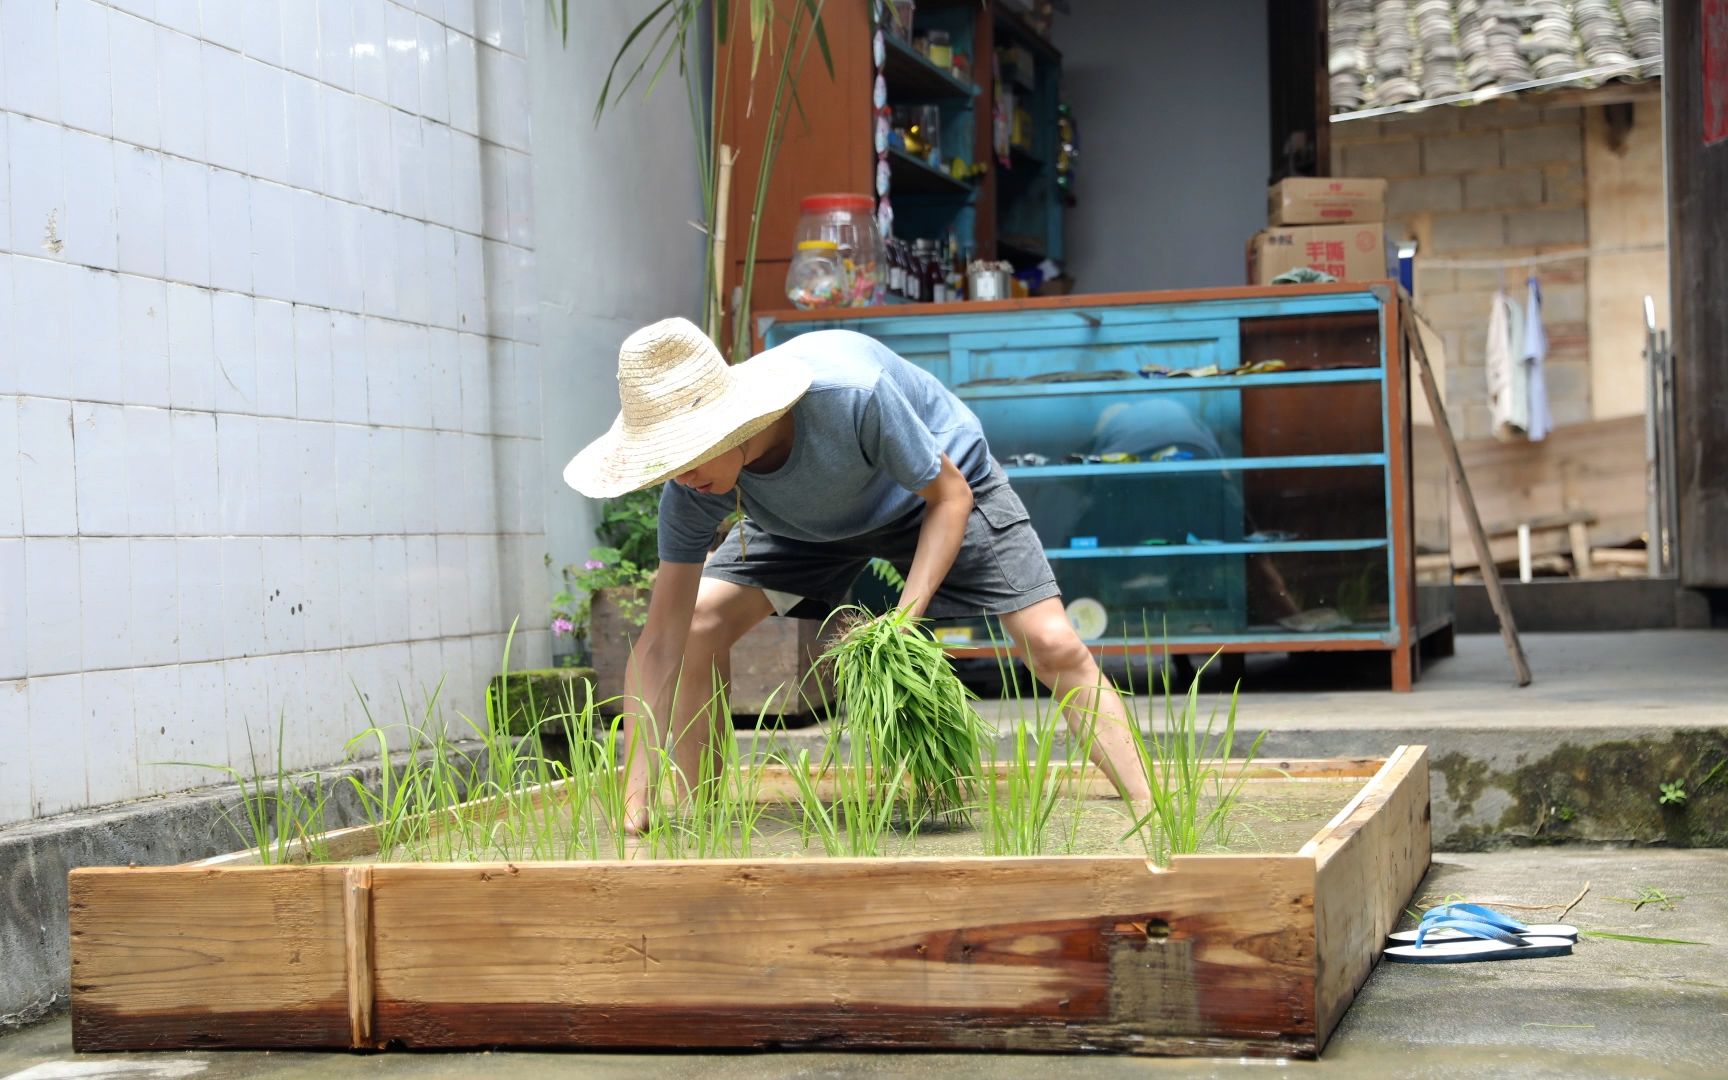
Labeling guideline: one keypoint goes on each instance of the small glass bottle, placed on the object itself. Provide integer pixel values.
(941, 52)
(938, 276)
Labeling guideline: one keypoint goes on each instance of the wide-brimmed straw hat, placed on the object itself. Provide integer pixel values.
(681, 404)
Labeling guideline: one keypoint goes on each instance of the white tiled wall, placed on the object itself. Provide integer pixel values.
(269, 372)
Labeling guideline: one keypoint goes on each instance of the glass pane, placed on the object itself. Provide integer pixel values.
(1276, 596)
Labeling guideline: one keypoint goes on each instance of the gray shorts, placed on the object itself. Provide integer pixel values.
(1000, 568)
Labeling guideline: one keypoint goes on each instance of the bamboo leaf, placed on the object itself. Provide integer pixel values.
(623, 50)
(821, 33)
(759, 10)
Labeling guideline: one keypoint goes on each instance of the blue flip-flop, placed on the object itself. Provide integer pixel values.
(1480, 913)
(1474, 941)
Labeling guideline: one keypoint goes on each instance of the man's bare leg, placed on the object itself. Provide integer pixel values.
(1063, 663)
(724, 613)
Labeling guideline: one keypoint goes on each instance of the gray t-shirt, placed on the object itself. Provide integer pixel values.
(869, 435)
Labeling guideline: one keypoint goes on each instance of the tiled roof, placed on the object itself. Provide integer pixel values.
(1390, 52)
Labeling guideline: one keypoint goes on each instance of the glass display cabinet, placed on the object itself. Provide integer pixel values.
(1221, 470)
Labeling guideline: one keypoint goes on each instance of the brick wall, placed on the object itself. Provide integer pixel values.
(1492, 180)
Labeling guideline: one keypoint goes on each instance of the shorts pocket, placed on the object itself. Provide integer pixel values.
(1013, 543)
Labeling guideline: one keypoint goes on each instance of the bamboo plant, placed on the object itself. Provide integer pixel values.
(671, 34)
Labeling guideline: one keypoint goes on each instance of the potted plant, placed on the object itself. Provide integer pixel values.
(603, 605)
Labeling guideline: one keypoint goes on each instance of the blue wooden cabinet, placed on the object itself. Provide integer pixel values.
(1224, 470)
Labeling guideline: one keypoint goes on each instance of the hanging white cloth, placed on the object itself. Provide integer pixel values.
(1508, 383)
(1534, 353)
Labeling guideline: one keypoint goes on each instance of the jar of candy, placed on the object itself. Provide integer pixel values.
(816, 278)
(847, 223)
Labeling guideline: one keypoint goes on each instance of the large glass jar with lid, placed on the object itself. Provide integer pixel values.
(848, 223)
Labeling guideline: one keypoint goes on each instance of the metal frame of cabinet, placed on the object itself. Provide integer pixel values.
(995, 357)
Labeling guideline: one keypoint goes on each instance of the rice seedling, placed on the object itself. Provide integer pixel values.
(1021, 799)
(1184, 761)
(858, 819)
(1018, 800)
(907, 713)
(281, 813)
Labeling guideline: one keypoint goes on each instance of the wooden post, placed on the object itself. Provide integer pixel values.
(1579, 533)
(1467, 502)
(357, 953)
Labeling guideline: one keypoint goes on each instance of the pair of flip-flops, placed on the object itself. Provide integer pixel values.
(1466, 933)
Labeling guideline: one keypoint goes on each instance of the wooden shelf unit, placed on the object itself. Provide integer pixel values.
(831, 148)
(1298, 529)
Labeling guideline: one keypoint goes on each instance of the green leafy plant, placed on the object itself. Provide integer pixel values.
(886, 573)
(1647, 895)
(1673, 793)
(605, 568)
(905, 706)
(627, 557)
(630, 525)
(1185, 762)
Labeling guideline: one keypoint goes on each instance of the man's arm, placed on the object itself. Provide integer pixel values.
(651, 677)
(948, 503)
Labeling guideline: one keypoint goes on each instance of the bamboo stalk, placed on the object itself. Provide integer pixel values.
(777, 118)
(722, 210)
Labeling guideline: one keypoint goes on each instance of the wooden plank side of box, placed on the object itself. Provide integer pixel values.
(1214, 956)
(184, 957)
(1369, 862)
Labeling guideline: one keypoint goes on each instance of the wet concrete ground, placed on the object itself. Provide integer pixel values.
(1612, 1009)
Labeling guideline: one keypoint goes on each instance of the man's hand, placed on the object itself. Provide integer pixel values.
(948, 503)
(650, 681)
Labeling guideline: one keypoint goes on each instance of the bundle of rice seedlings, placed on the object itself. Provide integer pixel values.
(904, 703)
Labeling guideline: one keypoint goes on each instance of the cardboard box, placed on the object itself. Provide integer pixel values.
(1347, 252)
(1330, 200)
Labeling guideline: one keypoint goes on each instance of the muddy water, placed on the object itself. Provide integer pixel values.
(1269, 816)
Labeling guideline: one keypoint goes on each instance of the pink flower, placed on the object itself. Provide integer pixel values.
(562, 626)
(593, 564)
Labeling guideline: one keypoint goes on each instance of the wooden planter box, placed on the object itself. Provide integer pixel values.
(1218, 954)
(772, 665)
